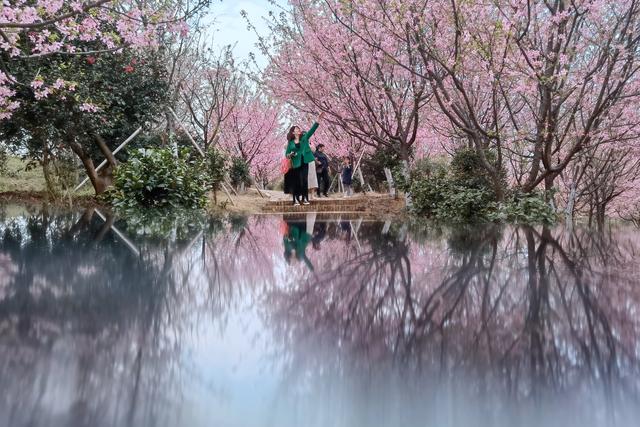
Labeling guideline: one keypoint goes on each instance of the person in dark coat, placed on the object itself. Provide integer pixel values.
(347, 176)
(319, 233)
(322, 169)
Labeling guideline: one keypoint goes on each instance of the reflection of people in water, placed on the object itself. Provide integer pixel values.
(295, 242)
(345, 230)
(319, 232)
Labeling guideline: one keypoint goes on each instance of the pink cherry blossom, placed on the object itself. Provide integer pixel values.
(54, 26)
(88, 107)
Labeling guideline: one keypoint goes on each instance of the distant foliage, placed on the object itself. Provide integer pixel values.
(157, 178)
(61, 173)
(239, 172)
(462, 192)
(467, 170)
(4, 160)
(215, 166)
(373, 167)
(523, 209)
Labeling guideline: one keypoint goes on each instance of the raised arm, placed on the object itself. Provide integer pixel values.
(311, 131)
(315, 125)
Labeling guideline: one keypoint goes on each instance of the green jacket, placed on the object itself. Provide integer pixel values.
(302, 150)
(298, 240)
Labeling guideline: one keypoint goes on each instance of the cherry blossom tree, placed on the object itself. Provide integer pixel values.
(253, 131)
(602, 181)
(211, 92)
(537, 82)
(32, 31)
(316, 64)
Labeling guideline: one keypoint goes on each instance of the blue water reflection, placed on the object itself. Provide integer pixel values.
(314, 321)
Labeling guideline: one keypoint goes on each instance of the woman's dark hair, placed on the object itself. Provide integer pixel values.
(290, 135)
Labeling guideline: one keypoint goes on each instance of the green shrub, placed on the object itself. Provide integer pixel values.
(467, 170)
(239, 172)
(463, 193)
(523, 208)
(157, 178)
(4, 160)
(66, 170)
(462, 204)
(373, 166)
(427, 191)
(438, 198)
(215, 168)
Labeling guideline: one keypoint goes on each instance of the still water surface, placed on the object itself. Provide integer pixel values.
(263, 322)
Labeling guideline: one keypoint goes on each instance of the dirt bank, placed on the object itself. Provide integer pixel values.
(41, 198)
(251, 202)
(248, 203)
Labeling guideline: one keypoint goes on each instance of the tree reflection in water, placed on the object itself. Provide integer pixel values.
(372, 323)
(516, 313)
(85, 317)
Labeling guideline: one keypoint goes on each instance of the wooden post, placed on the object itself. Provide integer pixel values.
(259, 192)
(392, 188)
(362, 183)
(193, 142)
(227, 193)
(358, 170)
(359, 160)
(354, 232)
(332, 182)
(230, 186)
(104, 162)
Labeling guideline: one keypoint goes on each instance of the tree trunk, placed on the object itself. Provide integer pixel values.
(105, 151)
(106, 174)
(98, 182)
(571, 203)
(493, 170)
(497, 187)
(601, 209)
(405, 172)
(48, 179)
(548, 191)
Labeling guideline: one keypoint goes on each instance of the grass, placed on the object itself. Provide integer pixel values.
(20, 180)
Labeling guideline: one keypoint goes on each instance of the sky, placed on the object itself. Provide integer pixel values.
(230, 27)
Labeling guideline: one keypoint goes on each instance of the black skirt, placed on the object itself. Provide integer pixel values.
(292, 181)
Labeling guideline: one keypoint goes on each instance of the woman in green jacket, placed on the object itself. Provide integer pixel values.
(295, 242)
(299, 151)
